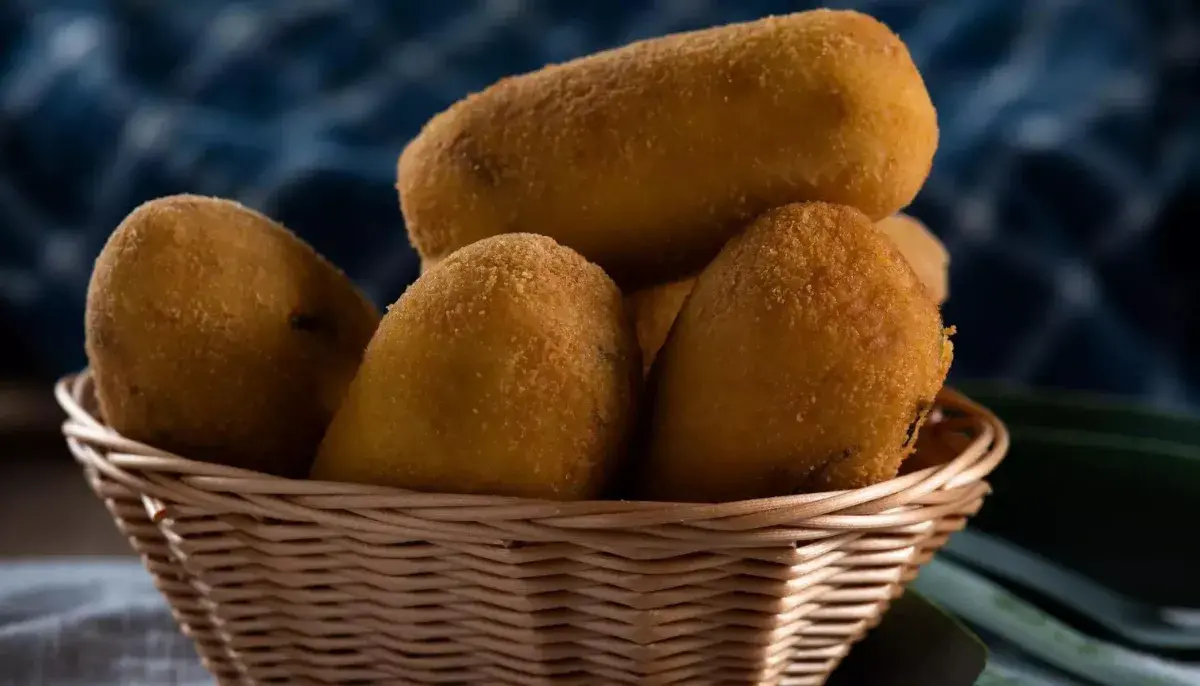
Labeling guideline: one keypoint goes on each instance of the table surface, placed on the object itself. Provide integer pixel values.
(46, 507)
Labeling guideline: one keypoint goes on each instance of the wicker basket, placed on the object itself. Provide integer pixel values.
(307, 582)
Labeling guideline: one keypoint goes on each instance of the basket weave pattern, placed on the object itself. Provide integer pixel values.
(306, 582)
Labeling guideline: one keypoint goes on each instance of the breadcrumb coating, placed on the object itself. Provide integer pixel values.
(216, 333)
(654, 308)
(804, 360)
(510, 369)
(648, 157)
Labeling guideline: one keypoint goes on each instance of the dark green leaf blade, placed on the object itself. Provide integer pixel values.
(1098, 489)
(916, 643)
(1075, 410)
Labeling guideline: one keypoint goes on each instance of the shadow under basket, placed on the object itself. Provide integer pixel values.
(309, 582)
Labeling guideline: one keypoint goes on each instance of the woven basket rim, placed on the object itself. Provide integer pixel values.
(986, 450)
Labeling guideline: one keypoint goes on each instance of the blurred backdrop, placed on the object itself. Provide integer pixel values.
(1066, 187)
(1066, 184)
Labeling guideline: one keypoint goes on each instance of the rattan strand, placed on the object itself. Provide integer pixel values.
(308, 582)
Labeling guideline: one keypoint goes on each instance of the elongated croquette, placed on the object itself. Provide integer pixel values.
(647, 158)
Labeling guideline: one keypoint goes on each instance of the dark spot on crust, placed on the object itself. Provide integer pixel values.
(835, 107)
(101, 336)
(744, 79)
(306, 321)
(608, 355)
(595, 120)
(911, 433)
(829, 461)
(598, 419)
(483, 167)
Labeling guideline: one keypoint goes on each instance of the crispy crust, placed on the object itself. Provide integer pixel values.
(647, 158)
(215, 333)
(510, 369)
(804, 360)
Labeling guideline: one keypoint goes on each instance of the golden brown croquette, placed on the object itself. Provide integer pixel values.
(804, 360)
(923, 251)
(215, 333)
(653, 310)
(647, 158)
(510, 369)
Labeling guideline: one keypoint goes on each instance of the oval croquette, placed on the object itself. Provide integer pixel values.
(923, 251)
(510, 369)
(215, 333)
(804, 360)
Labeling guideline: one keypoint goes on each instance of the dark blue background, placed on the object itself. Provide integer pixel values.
(1065, 185)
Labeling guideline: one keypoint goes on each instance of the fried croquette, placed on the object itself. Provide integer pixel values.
(647, 158)
(923, 251)
(653, 310)
(804, 360)
(215, 333)
(510, 369)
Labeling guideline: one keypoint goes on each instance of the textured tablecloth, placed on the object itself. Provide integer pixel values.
(89, 623)
(102, 623)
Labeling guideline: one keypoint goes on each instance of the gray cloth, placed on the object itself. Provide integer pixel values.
(96, 622)
(89, 622)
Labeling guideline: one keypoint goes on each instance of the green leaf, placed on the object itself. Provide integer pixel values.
(916, 643)
(1102, 470)
(1026, 628)
(1098, 489)
(1073, 410)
